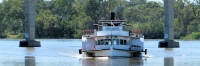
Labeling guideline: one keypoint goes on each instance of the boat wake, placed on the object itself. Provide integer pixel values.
(74, 55)
(147, 56)
(183, 55)
(78, 56)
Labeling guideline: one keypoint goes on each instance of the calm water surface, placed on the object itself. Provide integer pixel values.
(64, 52)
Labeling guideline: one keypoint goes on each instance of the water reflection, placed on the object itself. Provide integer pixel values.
(105, 61)
(29, 50)
(168, 61)
(29, 60)
(169, 49)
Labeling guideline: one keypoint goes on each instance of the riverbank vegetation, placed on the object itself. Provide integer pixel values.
(67, 18)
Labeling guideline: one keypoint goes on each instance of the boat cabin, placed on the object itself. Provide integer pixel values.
(111, 32)
(107, 25)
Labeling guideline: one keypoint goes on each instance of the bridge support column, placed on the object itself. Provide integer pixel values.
(29, 12)
(168, 26)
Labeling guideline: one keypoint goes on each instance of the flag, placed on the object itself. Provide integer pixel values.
(112, 23)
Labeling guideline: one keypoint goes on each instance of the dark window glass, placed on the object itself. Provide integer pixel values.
(124, 42)
(121, 42)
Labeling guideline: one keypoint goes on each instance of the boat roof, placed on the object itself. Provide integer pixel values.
(100, 22)
(111, 20)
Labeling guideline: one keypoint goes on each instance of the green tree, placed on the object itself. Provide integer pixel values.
(12, 12)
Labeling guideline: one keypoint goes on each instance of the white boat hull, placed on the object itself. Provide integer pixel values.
(112, 53)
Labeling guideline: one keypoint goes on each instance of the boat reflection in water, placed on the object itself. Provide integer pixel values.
(29, 60)
(168, 61)
(106, 61)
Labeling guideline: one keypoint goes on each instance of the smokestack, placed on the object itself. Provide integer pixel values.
(112, 15)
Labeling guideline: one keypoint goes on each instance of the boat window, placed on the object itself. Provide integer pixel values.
(117, 24)
(102, 41)
(121, 41)
(98, 42)
(114, 41)
(124, 42)
(117, 41)
(104, 24)
(100, 28)
(107, 41)
(108, 24)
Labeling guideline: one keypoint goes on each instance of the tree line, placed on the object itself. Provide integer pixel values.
(67, 18)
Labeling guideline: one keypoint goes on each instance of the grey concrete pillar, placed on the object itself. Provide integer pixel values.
(29, 19)
(168, 26)
(29, 12)
(169, 19)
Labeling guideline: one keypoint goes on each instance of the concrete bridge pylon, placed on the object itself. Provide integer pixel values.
(168, 26)
(29, 12)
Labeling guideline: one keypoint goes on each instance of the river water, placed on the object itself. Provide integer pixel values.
(64, 52)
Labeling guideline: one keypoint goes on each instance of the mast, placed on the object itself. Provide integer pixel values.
(111, 34)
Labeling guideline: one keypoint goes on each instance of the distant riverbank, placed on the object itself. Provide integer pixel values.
(193, 36)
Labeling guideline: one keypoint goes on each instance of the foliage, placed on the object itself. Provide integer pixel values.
(193, 35)
(67, 18)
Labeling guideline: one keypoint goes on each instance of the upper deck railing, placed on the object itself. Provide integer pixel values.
(135, 33)
(138, 32)
(111, 21)
(104, 26)
(88, 32)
